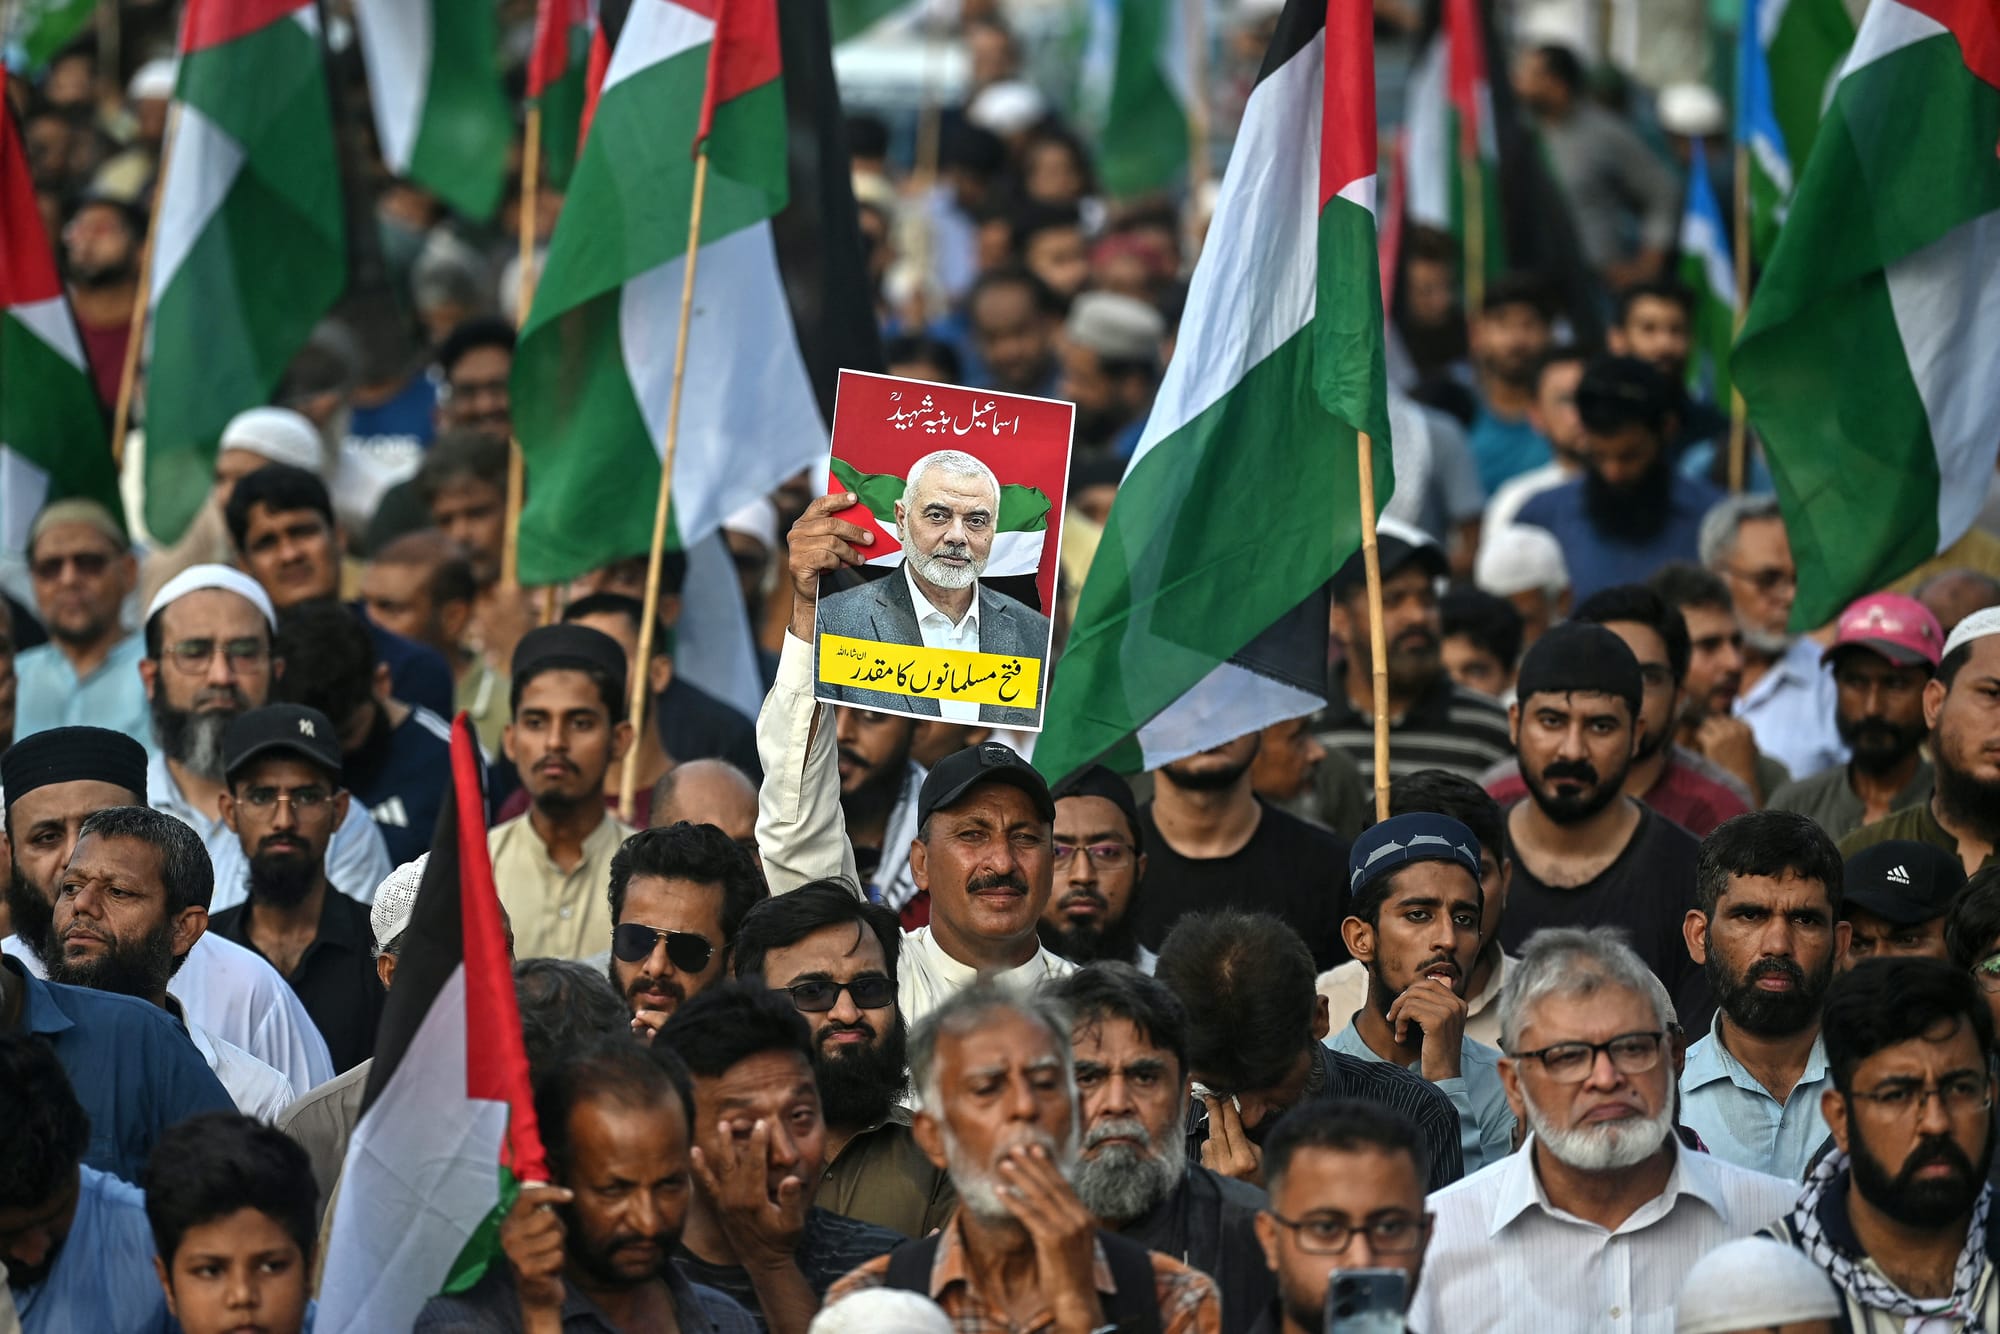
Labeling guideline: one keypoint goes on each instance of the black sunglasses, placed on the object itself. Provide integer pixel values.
(686, 951)
(872, 991)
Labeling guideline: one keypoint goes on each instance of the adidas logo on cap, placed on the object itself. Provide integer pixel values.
(1899, 876)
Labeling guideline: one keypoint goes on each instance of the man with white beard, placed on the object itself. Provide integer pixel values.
(998, 1088)
(1594, 1222)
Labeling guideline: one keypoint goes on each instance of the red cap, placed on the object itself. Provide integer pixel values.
(1899, 628)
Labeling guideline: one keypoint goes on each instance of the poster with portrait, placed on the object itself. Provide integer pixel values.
(963, 492)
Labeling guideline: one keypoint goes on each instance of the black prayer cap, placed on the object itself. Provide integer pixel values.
(564, 645)
(1098, 781)
(1580, 658)
(73, 755)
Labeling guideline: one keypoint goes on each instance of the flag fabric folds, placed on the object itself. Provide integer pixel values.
(1142, 131)
(1758, 134)
(1707, 270)
(558, 70)
(434, 81)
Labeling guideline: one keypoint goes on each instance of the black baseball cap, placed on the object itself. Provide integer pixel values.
(988, 762)
(291, 729)
(1396, 546)
(1902, 881)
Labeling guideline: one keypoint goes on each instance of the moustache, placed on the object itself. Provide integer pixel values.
(1124, 1127)
(1934, 1149)
(1085, 896)
(829, 1031)
(1416, 638)
(1784, 968)
(281, 843)
(647, 984)
(1007, 880)
(1582, 771)
(228, 695)
(955, 550)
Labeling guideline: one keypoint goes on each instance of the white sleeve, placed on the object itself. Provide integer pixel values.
(801, 833)
(358, 860)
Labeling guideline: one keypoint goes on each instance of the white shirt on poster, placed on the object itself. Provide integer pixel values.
(939, 632)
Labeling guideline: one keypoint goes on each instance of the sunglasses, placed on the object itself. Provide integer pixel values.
(631, 942)
(871, 991)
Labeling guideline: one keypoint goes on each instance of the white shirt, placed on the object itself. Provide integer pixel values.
(927, 975)
(356, 861)
(255, 1088)
(938, 631)
(1502, 1258)
(240, 999)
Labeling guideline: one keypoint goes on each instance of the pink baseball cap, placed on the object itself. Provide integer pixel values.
(1899, 628)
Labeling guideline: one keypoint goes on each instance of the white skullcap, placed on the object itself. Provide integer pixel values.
(1984, 622)
(395, 900)
(1692, 110)
(1115, 326)
(278, 434)
(881, 1311)
(195, 578)
(757, 521)
(1753, 1283)
(154, 79)
(1518, 559)
(1008, 107)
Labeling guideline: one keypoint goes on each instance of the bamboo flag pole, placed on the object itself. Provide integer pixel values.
(1738, 427)
(1378, 639)
(128, 375)
(1473, 193)
(517, 471)
(629, 778)
(929, 151)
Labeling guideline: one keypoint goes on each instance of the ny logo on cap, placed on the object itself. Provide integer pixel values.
(306, 728)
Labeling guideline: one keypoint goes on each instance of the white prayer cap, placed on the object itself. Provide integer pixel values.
(1116, 327)
(1692, 110)
(195, 578)
(1008, 107)
(881, 1311)
(1518, 559)
(154, 79)
(1753, 1283)
(1980, 624)
(758, 521)
(395, 901)
(278, 434)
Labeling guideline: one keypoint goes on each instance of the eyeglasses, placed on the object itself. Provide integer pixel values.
(89, 564)
(1388, 1234)
(817, 995)
(1104, 856)
(194, 655)
(1987, 973)
(1767, 580)
(303, 800)
(686, 951)
(1960, 1095)
(1571, 1062)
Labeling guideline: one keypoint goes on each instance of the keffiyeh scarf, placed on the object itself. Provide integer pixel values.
(1866, 1286)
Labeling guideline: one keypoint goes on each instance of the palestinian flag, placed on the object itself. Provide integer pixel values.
(779, 268)
(250, 251)
(434, 79)
(1451, 137)
(558, 69)
(1804, 42)
(53, 436)
(1142, 48)
(447, 1130)
(1707, 269)
(1205, 612)
(44, 27)
(1758, 135)
(1868, 357)
(1018, 532)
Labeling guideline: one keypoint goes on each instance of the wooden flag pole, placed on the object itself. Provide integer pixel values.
(1474, 213)
(642, 660)
(1378, 639)
(524, 296)
(128, 375)
(1739, 443)
(929, 152)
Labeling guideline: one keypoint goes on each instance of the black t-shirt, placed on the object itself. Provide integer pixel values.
(1289, 868)
(335, 980)
(1646, 891)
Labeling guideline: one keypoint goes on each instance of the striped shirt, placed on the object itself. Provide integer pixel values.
(1449, 727)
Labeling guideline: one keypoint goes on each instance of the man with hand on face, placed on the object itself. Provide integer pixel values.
(678, 895)
(1897, 898)
(1899, 1215)
(834, 956)
(1347, 1192)
(994, 1072)
(1413, 913)
(1767, 927)
(1129, 1033)
(1707, 728)
(1100, 863)
(759, 1155)
(1593, 1223)
(592, 1251)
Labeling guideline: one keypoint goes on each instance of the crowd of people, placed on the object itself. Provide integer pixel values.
(1663, 998)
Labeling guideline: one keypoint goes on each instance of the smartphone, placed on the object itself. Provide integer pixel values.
(1366, 1301)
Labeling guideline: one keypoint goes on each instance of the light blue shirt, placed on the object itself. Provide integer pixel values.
(103, 1277)
(1790, 711)
(1738, 1118)
(1485, 1120)
(113, 696)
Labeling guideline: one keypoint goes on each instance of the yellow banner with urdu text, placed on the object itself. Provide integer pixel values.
(930, 673)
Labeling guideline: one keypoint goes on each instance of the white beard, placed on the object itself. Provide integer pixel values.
(934, 571)
(979, 1189)
(1611, 1146)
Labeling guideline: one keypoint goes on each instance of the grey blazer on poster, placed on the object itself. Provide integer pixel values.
(881, 611)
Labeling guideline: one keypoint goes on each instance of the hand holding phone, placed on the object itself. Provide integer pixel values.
(1366, 1301)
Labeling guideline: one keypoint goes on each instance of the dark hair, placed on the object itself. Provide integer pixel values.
(1883, 1002)
(1491, 623)
(964, 146)
(1112, 990)
(1045, 300)
(1641, 606)
(1619, 392)
(1948, 669)
(1442, 792)
(462, 456)
(209, 1166)
(1517, 289)
(1052, 135)
(1562, 354)
(620, 604)
(610, 689)
(718, 1029)
(187, 878)
(1683, 584)
(1654, 289)
(451, 572)
(47, 1129)
(783, 920)
(471, 335)
(329, 659)
(697, 852)
(673, 571)
(279, 488)
(1345, 1125)
(904, 348)
(616, 1069)
(564, 1006)
(1766, 844)
(1563, 65)
(1247, 980)
(867, 136)
(1973, 922)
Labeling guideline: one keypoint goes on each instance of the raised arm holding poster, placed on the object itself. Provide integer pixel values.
(959, 487)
